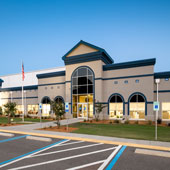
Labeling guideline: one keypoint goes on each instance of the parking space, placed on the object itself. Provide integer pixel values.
(18, 152)
(57, 154)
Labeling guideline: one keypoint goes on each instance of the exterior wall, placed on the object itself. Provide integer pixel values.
(164, 93)
(51, 87)
(97, 68)
(81, 49)
(31, 97)
(145, 85)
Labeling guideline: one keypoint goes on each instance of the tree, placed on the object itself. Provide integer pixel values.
(99, 108)
(59, 110)
(10, 109)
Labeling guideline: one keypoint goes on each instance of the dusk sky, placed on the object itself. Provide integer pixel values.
(40, 32)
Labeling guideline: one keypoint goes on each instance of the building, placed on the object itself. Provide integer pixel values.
(90, 76)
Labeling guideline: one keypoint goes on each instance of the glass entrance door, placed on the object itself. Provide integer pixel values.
(82, 111)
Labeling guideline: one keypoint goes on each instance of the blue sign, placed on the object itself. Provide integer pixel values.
(66, 107)
(156, 106)
(40, 106)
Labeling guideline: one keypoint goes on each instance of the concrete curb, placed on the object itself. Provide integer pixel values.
(7, 134)
(92, 140)
(39, 138)
(153, 153)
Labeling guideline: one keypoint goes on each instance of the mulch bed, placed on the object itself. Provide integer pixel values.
(12, 124)
(61, 129)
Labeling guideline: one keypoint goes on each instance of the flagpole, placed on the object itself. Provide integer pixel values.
(22, 94)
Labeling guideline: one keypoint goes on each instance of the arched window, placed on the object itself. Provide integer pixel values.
(45, 106)
(116, 105)
(59, 100)
(82, 92)
(137, 106)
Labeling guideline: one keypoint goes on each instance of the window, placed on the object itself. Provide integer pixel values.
(126, 81)
(116, 106)
(20, 109)
(59, 100)
(137, 107)
(32, 109)
(166, 110)
(46, 106)
(137, 81)
(115, 82)
(82, 90)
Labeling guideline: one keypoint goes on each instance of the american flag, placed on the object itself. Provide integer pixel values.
(23, 76)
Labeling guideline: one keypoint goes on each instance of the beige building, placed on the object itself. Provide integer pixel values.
(90, 77)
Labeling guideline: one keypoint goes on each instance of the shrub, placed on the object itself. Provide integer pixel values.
(1, 110)
(168, 124)
(84, 120)
(116, 121)
(110, 122)
(159, 121)
(137, 122)
(127, 122)
(91, 121)
(149, 122)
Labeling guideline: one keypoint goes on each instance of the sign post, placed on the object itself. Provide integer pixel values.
(40, 108)
(156, 108)
(67, 111)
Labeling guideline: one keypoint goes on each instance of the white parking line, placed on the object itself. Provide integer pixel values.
(70, 149)
(30, 154)
(86, 165)
(71, 143)
(62, 159)
(109, 158)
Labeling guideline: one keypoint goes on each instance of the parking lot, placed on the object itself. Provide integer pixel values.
(21, 152)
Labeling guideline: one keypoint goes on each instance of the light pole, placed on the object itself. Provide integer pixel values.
(157, 81)
(11, 96)
(25, 102)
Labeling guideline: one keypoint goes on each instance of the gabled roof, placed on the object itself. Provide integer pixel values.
(129, 64)
(99, 50)
(162, 74)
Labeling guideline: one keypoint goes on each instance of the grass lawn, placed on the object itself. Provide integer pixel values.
(145, 132)
(19, 120)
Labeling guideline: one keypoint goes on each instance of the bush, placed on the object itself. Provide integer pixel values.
(127, 122)
(116, 121)
(84, 120)
(137, 122)
(91, 121)
(159, 121)
(168, 124)
(110, 122)
(149, 122)
(1, 110)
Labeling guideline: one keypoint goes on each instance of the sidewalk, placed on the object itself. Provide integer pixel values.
(31, 129)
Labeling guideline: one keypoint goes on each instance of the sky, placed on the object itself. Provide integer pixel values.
(40, 32)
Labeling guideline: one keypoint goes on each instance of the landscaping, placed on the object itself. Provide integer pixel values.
(131, 131)
(17, 120)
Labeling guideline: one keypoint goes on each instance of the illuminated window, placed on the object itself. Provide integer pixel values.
(116, 107)
(32, 109)
(82, 92)
(166, 110)
(59, 100)
(20, 109)
(137, 107)
(46, 106)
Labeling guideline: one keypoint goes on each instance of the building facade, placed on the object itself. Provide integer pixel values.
(90, 77)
